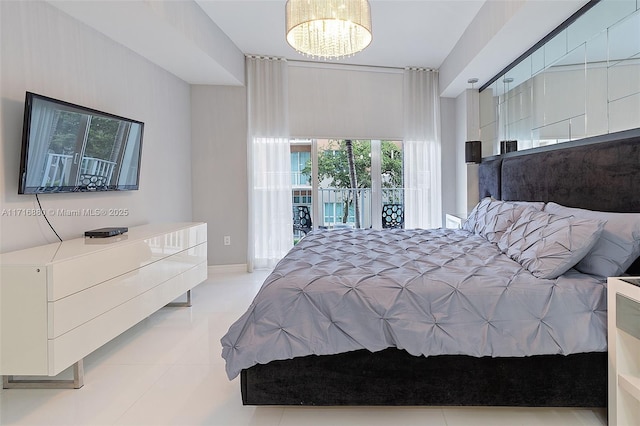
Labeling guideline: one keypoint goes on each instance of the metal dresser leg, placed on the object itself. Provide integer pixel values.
(8, 382)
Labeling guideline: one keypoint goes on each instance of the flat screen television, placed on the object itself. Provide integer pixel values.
(71, 148)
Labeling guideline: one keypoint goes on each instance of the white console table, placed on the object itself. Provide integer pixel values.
(60, 302)
(623, 306)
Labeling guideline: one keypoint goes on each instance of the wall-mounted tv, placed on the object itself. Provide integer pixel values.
(71, 148)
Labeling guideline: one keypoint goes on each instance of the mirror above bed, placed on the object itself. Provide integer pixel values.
(582, 80)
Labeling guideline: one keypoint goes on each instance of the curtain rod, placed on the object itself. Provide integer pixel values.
(420, 69)
(338, 64)
(341, 64)
(271, 58)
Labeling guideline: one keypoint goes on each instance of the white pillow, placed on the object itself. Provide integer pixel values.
(491, 218)
(549, 245)
(479, 210)
(618, 246)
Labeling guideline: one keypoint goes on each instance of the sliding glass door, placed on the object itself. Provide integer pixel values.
(349, 183)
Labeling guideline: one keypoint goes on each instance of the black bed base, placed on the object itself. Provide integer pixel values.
(394, 377)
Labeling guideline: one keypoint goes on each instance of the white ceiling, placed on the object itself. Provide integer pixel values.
(405, 33)
(207, 48)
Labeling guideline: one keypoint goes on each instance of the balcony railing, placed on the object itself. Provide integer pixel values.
(58, 168)
(334, 201)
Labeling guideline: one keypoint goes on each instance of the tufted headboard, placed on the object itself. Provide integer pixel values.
(599, 175)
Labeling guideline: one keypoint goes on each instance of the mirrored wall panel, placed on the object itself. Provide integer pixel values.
(583, 82)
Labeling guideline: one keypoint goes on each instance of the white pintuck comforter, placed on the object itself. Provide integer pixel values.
(430, 292)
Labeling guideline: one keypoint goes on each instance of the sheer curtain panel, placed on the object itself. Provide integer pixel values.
(269, 165)
(422, 164)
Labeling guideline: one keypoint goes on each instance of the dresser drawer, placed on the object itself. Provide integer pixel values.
(79, 273)
(628, 315)
(72, 311)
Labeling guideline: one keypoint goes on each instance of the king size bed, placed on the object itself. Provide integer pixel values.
(509, 310)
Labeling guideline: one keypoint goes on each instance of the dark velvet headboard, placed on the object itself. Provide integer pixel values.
(490, 178)
(602, 176)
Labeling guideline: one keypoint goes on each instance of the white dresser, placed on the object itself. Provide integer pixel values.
(59, 302)
(623, 305)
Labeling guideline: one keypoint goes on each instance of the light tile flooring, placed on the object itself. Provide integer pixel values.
(167, 370)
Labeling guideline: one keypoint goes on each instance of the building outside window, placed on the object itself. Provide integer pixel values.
(299, 160)
(334, 212)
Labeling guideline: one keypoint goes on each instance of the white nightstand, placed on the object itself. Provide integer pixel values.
(454, 221)
(623, 317)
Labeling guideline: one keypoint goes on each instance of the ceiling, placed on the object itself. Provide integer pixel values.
(204, 41)
(405, 33)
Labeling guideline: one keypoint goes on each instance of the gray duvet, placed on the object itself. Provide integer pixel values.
(429, 292)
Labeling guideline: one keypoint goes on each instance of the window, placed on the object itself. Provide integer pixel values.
(301, 199)
(299, 160)
(378, 167)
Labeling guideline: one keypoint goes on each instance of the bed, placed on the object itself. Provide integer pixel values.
(474, 321)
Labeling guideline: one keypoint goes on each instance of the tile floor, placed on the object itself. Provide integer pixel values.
(167, 370)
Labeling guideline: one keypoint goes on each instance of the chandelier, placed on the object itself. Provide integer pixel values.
(329, 29)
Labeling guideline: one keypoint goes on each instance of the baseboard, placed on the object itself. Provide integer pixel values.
(222, 269)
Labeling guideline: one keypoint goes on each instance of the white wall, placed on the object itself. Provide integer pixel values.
(45, 51)
(219, 134)
(466, 128)
(450, 160)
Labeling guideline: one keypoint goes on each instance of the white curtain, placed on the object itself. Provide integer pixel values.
(269, 163)
(422, 165)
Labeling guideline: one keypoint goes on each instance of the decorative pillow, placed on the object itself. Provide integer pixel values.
(491, 218)
(618, 246)
(549, 245)
(479, 210)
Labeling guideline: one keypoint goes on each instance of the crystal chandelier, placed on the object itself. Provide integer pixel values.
(329, 29)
